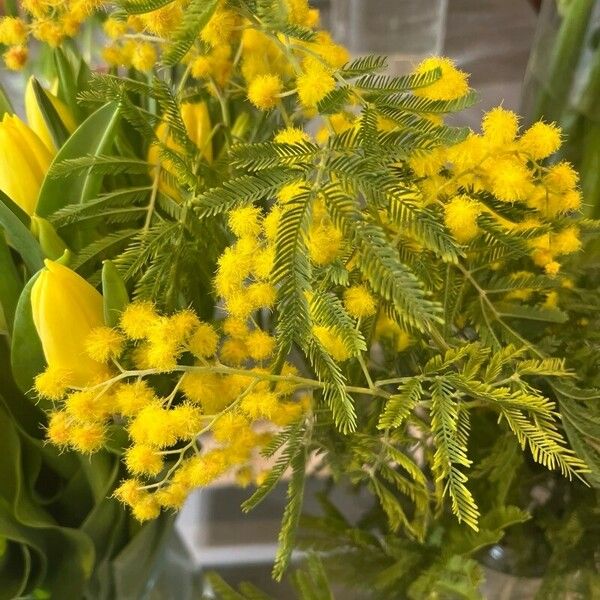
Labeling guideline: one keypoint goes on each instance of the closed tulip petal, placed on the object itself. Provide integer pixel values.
(65, 309)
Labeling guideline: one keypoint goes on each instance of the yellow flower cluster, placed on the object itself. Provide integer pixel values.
(210, 423)
(48, 21)
(507, 164)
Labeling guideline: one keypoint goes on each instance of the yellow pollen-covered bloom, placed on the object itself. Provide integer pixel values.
(234, 351)
(561, 177)
(13, 31)
(264, 91)
(261, 295)
(314, 83)
(130, 398)
(220, 27)
(15, 57)
(259, 405)
(144, 56)
(151, 426)
(104, 343)
(233, 327)
(460, 216)
(114, 28)
(244, 221)
(59, 428)
(172, 496)
(129, 491)
(203, 342)
(143, 460)
(260, 344)
(510, 180)
(88, 437)
(452, 83)
(137, 319)
(291, 135)
(359, 301)
(500, 126)
(541, 140)
(567, 241)
(52, 383)
(290, 191)
(146, 508)
(87, 406)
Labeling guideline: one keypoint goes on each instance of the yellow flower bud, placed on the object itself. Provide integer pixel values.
(24, 160)
(36, 121)
(66, 308)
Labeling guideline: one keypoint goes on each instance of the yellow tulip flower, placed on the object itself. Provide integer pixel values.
(198, 127)
(24, 161)
(36, 121)
(65, 309)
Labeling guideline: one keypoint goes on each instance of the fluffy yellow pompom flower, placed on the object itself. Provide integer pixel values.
(260, 344)
(143, 57)
(203, 342)
(129, 491)
(314, 83)
(234, 352)
(137, 319)
(567, 241)
(52, 383)
(452, 83)
(561, 177)
(244, 221)
(460, 216)
(143, 460)
(264, 91)
(88, 437)
(359, 301)
(261, 295)
(151, 427)
(324, 244)
(258, 405)
(290, 191)
(500, 126)
(172, 496)
(104, 343)
(146, 508)
(130, 398)
(86, 406)
(510, 180)
(59, 428)
(291, 135)
(218, 30)
(541, 140)
(15, 57)
(66, 308)
(13, 31)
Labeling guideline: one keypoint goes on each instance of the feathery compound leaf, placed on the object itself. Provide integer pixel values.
(334, 393)
(291, 515)
(363, 65)
(266, 155)
(139, 7)
(196, 16)
(451, 453)
(291, 272)
(400, 405)
(380, 264)
(102, 165)
(240, 190)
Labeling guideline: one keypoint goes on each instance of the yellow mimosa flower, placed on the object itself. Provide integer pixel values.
(66, 308)
(24, 161)
(36, 121)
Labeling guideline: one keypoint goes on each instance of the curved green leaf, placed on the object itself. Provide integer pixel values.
(93, 137)
(27, 354)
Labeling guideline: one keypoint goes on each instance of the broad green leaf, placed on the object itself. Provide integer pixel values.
(56, 127)
(67, 80)
(18, 234)
(10, 283)
(114, 294)
(27, 354)
(93, 137)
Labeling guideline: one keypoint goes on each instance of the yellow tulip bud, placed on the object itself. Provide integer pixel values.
(24, 161)
(198, 127)
(65, 309)
(35, 118)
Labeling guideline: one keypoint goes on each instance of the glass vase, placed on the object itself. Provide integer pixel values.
(404, 30)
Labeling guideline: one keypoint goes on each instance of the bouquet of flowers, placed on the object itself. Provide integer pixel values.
(236, 243)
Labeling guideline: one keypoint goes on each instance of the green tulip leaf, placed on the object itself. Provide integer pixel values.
(27, 354)
(5, 103)
(18, 234)
(56, 127)
(114, 294)
(10, 283)
(67, 80)
(92, 138)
